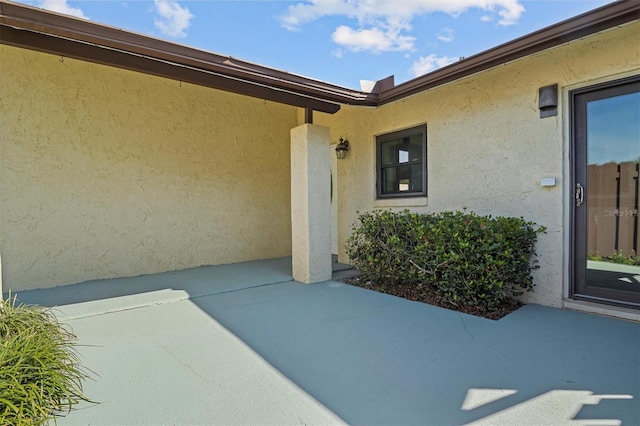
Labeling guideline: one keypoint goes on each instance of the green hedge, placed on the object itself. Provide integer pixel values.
(40, 373)
(467, 259)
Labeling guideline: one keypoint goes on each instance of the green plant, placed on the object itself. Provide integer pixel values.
(465, 258)
(40, 373)
(618, 257)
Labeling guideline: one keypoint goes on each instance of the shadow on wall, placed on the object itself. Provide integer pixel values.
(110, 295)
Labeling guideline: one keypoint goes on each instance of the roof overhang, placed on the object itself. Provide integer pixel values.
(50, 32)
(603, 18)
(45, 31)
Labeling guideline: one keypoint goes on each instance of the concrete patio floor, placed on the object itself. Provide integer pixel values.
(244, 344)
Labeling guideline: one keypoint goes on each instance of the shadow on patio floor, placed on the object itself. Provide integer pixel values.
(369, 358)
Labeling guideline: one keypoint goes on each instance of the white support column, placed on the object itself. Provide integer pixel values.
(310, 203)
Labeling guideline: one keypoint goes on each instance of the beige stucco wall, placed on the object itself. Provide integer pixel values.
(106, 172)
(487, 146)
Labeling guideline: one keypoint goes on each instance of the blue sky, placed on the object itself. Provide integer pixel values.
(338, 41)
(613, 130)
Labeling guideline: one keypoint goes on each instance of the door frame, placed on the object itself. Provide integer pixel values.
(577, 257)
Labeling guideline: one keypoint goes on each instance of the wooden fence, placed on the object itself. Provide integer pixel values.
(612, 200)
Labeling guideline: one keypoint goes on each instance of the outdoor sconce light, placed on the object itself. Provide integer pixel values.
(548, 101)
(341, 149)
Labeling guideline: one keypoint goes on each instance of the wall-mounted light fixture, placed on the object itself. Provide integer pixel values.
(341, 149)
(548, 101)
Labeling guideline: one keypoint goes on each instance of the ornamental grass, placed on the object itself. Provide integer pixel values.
(40, 372)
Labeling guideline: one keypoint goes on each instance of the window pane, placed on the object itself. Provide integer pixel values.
(416, 177)
(415, 148)
(402, 150)
(402, 178)
(390, 152)
(390, 183)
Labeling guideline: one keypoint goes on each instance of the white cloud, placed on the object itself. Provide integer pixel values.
(430, 63)
(61, 6)
(510, 15)
(374, 39)
(173, 19)
(303, 13)
(383, 24)
(446, 35)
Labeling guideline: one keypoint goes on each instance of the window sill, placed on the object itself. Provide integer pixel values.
(401, 202)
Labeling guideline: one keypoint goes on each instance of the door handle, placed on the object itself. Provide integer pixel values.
(579, 195)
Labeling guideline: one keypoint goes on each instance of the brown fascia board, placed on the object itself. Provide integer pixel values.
(591, 22)
(244, 77)
(50, 32)
(125, 60)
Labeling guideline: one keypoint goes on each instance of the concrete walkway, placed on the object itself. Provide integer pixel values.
(243, 344)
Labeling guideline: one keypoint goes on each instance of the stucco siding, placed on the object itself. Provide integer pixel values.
(107, 173)
(487, 146)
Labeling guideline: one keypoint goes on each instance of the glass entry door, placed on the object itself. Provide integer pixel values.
(606, 180)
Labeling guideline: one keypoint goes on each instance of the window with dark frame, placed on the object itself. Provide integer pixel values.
(402, 163)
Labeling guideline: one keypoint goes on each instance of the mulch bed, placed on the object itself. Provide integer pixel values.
(422, 294)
